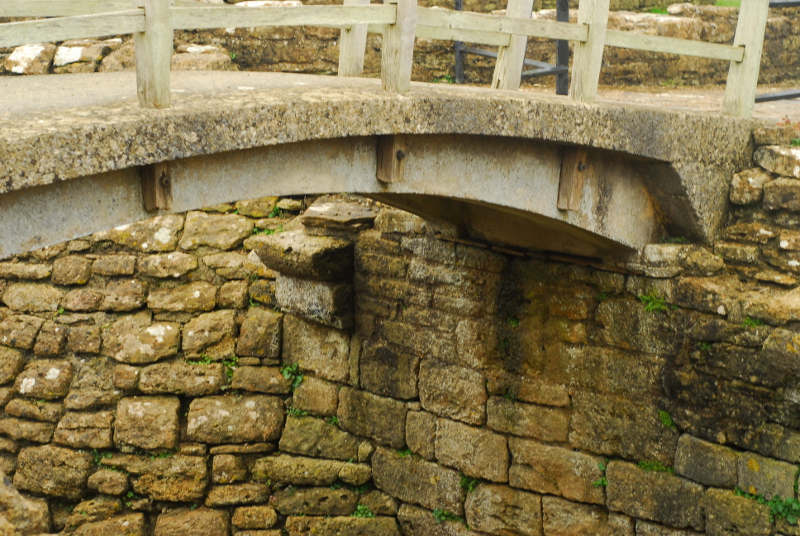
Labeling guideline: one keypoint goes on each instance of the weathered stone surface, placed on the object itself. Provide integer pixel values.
(217, 231)
(92, 510)
(127, 525)
(11, 362)
(342, 526)
(175, 478)
(32, 297)
(451, 391)
(499, 510)
(261, 334)
(18, 270)
(85, 430)
(227, 419)
(228, 469)
(315, 501)
(51, 340)
(355, 474)
(726, 514)
(254, 517)
(200, 522)
(53, 471)
(547, 424)
(134, 340)
(316, 396)
(365, 414)
(748, 186)
(314, 437)
(645, 528)
(71, 270)
(322, 350)
(327, 303)
(108, 482)
(39, 432)
(555, 471)
(182, 379)
(307, 257)
(655, 496)
(148, 422)
(93, 385)
(706, 463)
(123, 295)
(37, 411)
(192, 298)
(388, 371)
(30, 59)
(297, 470)
(174, 264)
(235, 494)
(149, 236)
(210, 334)
(261, 380)
(475, 451)
(764, 476)
(19, 331)
(417, 481)
(257, 208)
(421, 434)
(25, 517)
(782, 193)
(564, 518)
(416, 521)
(45, 379)
(126, 377)
(379, 503)
(232, 295)
(779, 160)
(114, 265)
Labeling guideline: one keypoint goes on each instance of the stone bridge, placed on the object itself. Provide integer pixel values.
(523, 169)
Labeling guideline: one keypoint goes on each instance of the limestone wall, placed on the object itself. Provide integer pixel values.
(360, 371)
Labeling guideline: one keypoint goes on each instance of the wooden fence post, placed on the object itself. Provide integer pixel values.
(352, 44)
(154, 54)
(740, 91)
(397, 48)
(510, 59)
(589, 55)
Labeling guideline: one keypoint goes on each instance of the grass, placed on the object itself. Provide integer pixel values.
(666, 419)
(752, 322)
(659, 11)
(656, 467)
(796, 142)
(653, 303)
(728, 3)
(513, 321)
(446, 79)
(443, 515)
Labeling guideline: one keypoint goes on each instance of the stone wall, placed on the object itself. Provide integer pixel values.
(310, 50)
(359, 371)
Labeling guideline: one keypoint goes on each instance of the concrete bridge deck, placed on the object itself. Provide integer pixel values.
(71, 147)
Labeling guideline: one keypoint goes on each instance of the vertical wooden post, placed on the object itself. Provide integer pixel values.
(352, 43)
(398, 47)
(562, 49)
(510, 59)
(589, 55)
(740, 91)
(458, 49)
(154, 54)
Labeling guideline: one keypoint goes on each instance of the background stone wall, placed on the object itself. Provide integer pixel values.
(359, 371)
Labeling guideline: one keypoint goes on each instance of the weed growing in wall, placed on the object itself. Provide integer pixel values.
(292, 373)
(362, 510)
(443, 515)
(666, 419)
(752, 322)
(653, 303)
(656, 467)
(602, 481)
(788, 509)
(468, 483)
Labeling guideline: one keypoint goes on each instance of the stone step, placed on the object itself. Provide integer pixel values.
(779, 159)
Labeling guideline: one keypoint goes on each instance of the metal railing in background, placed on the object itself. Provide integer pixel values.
(781, 95)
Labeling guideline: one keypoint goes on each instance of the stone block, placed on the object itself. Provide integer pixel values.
(555, 471)
(297, 470)
(38, 432)
(126, 377)
(228, 469)
(564, 518)
(654, 496)
(147, 236)
(330, 304)
(83, 300)
(297, 254)
(180, 379)
(71, 270)
(342, 526)
(19, 331)
(108, 482)
(232, 295)
(124, 295)
(451, 391)
(210, 334)
(474, 451)
(421, 434)
(177, 478)
(707, 463)
(85, 430)
(174, 264)
(228, 419)
(782, 194)
(319, 349)
(764, 476)
(48, 379)
(11, 362)
(748, 186)
(261, 334)
(627, 325)
(261, 380)
(777, 441)
(53, 471)
(254, 517)
(308, 436)
(387, 371)
(18, 270)
(51, 340)
(194, 297)
(263, 291)
(355, 474)
(727, 513)
(416, 481)
(646, 528)
(199, 522)
(114, 265)
(33, 297)
(125, 525)
(511, 417)
(236, 494)
(502, 510)
(316, 396)
(92, 510)
(379, 503)
(138, 417)
(35, 411)
(778, 159)
(415, 521)
(368, 415)
(217, 231)
(315, 501)
(137, 341)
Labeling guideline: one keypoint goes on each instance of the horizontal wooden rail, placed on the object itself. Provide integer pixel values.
(78, 27)
(673, 45)
(202, 18)
(69, 8)
(451, 34)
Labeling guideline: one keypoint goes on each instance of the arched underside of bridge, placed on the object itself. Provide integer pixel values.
(490, 162)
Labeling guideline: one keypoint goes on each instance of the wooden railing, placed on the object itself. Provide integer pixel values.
(400, 21)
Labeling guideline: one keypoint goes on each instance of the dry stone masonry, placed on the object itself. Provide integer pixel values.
(357, 371)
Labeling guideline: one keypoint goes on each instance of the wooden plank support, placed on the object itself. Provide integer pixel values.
(61, 29)
(156, 187)
(672, 45)
(391, 158)
(352, 45)
(574, 167)
(397, 49)
(588, 55)
(510, 59)
(154, 54)
(740, 91)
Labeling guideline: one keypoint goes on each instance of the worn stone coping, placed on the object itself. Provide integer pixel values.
(57, 128)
